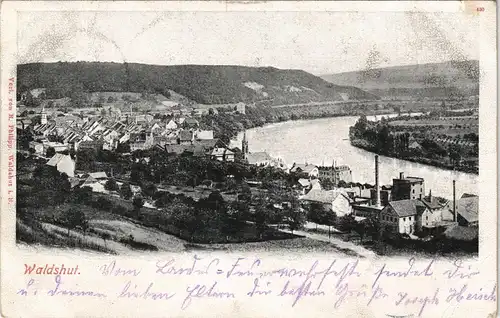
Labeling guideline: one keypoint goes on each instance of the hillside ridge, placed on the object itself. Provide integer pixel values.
(206, 84)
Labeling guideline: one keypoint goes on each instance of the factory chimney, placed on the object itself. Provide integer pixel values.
(454, 203)
(377, 188)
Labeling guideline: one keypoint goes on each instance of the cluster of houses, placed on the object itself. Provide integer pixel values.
(403, 207)
(173, 134)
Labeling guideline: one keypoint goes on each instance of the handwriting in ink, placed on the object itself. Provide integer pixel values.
(344, 292)
(58, 291)
(202, 291)
(464, 293)
(167, 268)
(234, 272)
(302, 290)
(460, 271)
(111, 270)
(24, 291)
(256, 290)
(377, 293)
(427, 271)
(132, 292)
(405, 300)
(347, 271)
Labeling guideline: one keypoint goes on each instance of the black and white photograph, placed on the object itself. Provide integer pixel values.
(250, 140)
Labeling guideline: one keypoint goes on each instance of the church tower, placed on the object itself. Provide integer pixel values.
(244, 145)
(43, 114)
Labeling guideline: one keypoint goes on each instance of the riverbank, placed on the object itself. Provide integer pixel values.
(226, 124)
(321, 141)
(438, 163)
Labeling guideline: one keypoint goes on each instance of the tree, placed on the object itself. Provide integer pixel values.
(454, 152)
(111, 185)
(296, 218)
(126, 191)
(315, 210)
(327, 184)
(86, 159)
(192, 181)
(330, 219)
(150, 190)
(347, 223)
(103, 203)
(342, 184)
(73, 218)
(138, 203)
(215, 202)
(82, 195)
(50, 152)
(261, 217)
(105, 236)
(123, 147)
(245, 193)
(183, 216)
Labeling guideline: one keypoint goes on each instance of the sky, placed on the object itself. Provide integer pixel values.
(317, 42)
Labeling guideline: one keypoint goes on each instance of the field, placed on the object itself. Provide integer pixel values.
(115, 234)
(445, 122)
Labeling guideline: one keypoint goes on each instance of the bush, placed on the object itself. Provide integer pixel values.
(111, 185)
(119, 209)
(103, 204)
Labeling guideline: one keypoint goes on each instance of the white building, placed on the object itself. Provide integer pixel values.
(63, 163)
(338, 201)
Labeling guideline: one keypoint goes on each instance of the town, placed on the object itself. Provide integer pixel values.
(112, 178)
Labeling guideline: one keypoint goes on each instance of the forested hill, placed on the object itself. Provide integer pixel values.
(448, 79)
(201, 83)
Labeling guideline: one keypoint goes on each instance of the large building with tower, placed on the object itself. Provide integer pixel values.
(335, 173)
(407, 188)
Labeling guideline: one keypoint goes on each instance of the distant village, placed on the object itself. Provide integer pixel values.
(404, 207)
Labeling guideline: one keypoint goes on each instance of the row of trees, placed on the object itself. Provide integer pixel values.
(318, 214)
(378, 137)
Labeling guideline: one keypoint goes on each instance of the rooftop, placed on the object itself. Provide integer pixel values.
(299, 167)
(468, 208)
(56, 159)
(405, 208)
(323, 195)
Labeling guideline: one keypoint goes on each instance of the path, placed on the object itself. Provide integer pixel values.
(360, 250)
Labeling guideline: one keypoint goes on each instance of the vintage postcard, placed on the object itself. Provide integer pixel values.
(248, 159)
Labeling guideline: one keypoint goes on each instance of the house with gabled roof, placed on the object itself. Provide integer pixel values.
(171, 125)
(402, 216)
(336, 200)
(306, 170)
(94, 184)
(204, 134)
(468, 211)
(190, 123)
(222, 154)
(185, 137)
(63, 164)
(95, 144)
(437, 213)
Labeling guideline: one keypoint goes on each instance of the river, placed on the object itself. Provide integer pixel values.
(320, 141)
